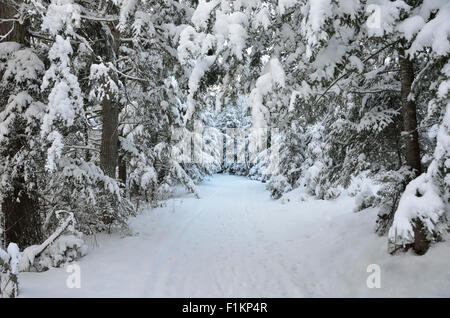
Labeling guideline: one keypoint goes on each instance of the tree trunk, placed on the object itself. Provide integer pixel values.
(123, 169)
(18, 31)
(20, 210)
(110, 113)
(109, 150)
(19, 207)
(409, 114)
(421, 243)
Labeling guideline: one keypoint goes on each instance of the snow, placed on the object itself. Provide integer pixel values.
(273, 74)
(237, 242)
(327, 58)
(203, 11)
(349, 7)
(15, 103)
(60, 103)
(148, 177)
(60, 14)
(100, 72)
(263, 18)
(384, 16)
(64, 99)
(4, 257)
(7, 48)
(202, 65)
(428, 6)
(23, 66)
(230, 29)
(411, 26)
(14, 252)
(54, 151)
(355, 61)
(277, 72)
(126, 8)
(237, 37)
(318, 13)
(420, 200)
(188, 43)
(435, 33)
(64, 249)
(364, 199)
(376, 119)
(443, 136)
(285, 4)
(422, 197)
(321, 74)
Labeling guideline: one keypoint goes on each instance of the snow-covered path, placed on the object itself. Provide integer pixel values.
(237, 242)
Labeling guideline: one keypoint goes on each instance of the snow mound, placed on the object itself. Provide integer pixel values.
(421, 200)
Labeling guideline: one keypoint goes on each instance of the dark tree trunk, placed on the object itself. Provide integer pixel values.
(421, 243)
(409, 114)
(18, 31)
(109, 149)
(122, 163)
(19, 207)
(123, 169)
(22, 223)
(399, 155)
(110, 114)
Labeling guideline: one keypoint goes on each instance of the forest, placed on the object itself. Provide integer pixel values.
(109, 108)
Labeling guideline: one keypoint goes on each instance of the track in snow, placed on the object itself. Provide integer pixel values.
(237, 242)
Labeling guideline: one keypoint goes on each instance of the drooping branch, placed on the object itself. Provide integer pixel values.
(31, 252)
(353, 70)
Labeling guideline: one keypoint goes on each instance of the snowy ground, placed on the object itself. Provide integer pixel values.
(237, 242)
